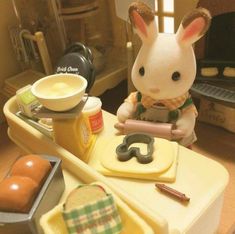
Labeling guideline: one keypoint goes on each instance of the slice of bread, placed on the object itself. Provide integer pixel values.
(229, 72)
(83, 195)
(209, 71)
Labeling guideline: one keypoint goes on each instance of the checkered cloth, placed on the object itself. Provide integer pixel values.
(99, 217)
(171, 104)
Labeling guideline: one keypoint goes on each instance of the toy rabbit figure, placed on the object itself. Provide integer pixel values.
(164, 71)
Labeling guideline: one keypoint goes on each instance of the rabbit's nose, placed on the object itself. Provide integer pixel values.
(154, 90)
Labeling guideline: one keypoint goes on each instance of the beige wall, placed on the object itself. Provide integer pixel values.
(181, 8)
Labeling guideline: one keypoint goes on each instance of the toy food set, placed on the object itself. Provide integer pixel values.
(73, 124)
(137, 155)
(130, 168)
(33, 186)
(63, 126)
(75, 115)
(156, 210)
(70, 112)
(164, 71)
(96, 207)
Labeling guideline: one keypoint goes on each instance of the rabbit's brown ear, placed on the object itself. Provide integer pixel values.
(143, 21)
(193, 26)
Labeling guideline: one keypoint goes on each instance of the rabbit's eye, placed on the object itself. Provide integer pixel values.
(141, 71)
(175, 76)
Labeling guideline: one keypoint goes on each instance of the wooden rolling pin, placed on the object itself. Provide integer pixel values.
(162, 130)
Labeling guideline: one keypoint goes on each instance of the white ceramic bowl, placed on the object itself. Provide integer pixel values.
(60, 92)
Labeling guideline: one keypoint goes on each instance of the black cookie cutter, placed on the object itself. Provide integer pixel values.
(124, 153)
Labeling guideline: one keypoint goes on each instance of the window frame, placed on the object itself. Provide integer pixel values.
(160, 14)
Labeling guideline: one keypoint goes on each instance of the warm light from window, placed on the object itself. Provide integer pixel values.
(157, 19)
(165, 11)
(156, 5)
(168, 23)
(168, 6)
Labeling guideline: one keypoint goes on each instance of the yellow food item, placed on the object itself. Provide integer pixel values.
(60, 89)
(74, 135)
(209, 71)
(83, 195)
(229, 72)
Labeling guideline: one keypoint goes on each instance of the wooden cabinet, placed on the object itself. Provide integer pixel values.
(94, 23)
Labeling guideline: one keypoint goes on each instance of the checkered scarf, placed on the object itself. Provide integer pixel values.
(171, 104)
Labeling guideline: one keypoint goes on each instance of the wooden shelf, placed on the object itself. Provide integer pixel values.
(79, 12)
(79, 9)
(12, 84)
(108, 27)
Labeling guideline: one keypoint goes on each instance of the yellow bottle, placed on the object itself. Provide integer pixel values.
(74, 134)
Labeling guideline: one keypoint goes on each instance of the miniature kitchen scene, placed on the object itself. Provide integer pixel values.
(117, 116)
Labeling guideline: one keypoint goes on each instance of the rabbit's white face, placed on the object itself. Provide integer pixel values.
(165, 67)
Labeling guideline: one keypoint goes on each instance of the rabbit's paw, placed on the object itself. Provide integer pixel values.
(184, 125)
(125, 111)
